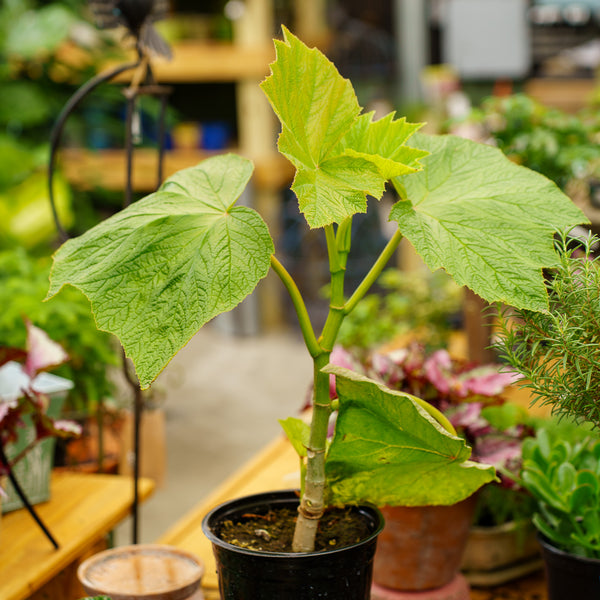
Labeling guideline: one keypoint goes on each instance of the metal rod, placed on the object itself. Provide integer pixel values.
(23, 497)
(131, 95)
(137, 414)
(138, 406)
(58, 127)
(161, 138)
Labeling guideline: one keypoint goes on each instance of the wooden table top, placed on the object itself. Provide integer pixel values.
(276, 468)
(82, 509)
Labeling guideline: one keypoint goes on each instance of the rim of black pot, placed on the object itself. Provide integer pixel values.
(547, 544)
(282, 496)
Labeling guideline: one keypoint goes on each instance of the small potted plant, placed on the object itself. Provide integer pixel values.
(558, 354)
(564, 478)
(25, 415)
(93, 355)
(471, 396)
(157, 271)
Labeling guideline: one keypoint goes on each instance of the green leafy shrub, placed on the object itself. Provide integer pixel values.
(558, 352)
(67, 319)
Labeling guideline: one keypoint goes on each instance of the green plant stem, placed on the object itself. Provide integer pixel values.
(337, 308)
(343, 240)
(374, 273)
(303, 318)
(312, 504)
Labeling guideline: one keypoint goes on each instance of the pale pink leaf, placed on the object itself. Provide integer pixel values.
(43, 352)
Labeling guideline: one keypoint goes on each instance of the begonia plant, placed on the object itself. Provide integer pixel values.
(21, 397)
(472, 398)
(160, 269)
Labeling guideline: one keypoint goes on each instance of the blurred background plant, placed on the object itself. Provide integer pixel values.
(563, 147)
(410, 304)
(66, 319)
(48, 50)
(22, 404)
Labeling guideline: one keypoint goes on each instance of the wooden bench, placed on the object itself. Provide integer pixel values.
(82, 510)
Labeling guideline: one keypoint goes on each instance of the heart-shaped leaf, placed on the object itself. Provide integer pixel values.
(487, 221)
(160, 269)
(387, 450)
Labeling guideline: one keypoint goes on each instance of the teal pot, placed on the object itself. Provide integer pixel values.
(341, 574)
(569, 576)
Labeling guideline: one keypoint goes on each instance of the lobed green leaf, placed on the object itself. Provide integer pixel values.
(340, 158)
(488, 222)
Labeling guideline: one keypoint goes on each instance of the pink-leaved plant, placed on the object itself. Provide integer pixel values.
(41, 354)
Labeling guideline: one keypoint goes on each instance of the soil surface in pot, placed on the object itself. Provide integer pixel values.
(274, 531)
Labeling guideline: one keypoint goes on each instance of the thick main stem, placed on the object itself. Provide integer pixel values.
(312, 504)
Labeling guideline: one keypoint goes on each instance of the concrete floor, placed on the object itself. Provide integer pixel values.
(225, 394)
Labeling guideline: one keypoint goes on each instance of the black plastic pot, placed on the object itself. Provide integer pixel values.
(343, 574)
(569, 576)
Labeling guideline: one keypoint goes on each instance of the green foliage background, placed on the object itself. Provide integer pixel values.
(66, 319)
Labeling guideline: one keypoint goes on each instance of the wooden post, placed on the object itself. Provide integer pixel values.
(311, 21)
(257, 132)
(478, 328)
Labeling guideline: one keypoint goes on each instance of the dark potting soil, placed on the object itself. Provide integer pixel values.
(274, 531)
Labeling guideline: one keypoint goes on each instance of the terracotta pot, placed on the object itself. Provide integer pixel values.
(421, 547)
(82, 453)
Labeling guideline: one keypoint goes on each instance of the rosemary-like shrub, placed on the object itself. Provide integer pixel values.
(558, 352)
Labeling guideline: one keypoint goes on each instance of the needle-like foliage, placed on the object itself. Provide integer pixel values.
(558, 352)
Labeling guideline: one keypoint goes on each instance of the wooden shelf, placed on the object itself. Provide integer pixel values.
(567, 94)
(195, 61)
(87, 169)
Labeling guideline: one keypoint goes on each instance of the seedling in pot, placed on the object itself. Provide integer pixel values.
(160, 269)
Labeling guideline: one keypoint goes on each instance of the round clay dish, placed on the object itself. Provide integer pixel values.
(142, 572)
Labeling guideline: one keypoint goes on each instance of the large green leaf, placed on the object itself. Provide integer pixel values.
(487, 221)
(337, 189)
(340, 158)
(158, 270)
(315, 104)
(387, 450)
(382, 142)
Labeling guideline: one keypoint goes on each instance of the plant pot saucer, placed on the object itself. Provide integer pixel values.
(457, 589)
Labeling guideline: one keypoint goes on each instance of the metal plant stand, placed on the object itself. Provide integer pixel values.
(142, 70)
